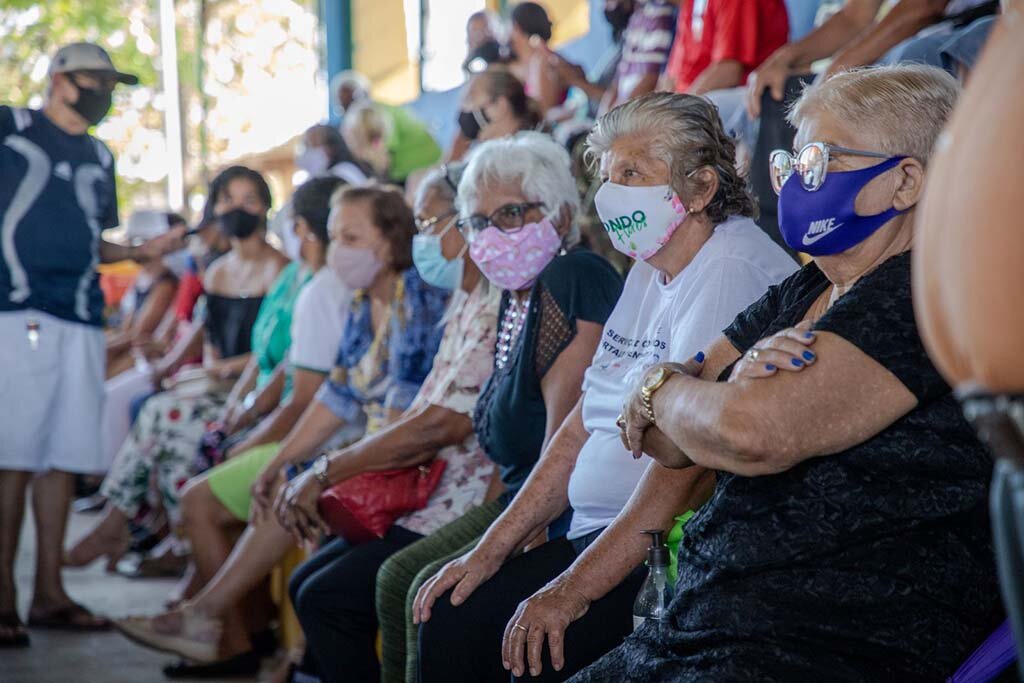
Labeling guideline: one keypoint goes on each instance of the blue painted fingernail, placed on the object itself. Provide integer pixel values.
(798, 363)
(808, 335)
(769, 367)
(808, 355)
(699, 357)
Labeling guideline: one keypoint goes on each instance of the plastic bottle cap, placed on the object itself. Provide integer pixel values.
(657, 554)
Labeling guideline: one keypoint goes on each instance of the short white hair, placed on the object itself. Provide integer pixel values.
(902, 107)
(534, 162)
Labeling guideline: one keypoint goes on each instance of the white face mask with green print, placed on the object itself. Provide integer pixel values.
(639, 220)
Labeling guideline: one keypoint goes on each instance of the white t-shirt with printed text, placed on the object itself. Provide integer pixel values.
(655, 322)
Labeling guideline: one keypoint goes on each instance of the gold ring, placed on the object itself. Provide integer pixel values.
(523, 628)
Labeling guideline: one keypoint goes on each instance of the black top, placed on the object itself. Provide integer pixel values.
(510, 417)
(229, 322)
(871, 564)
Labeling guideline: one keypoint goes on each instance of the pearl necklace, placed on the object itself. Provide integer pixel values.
(511, 325)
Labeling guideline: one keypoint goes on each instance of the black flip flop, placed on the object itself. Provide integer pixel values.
(19, 639)
(245, 665)
(65, 619)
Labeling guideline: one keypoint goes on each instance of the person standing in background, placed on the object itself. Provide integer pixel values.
(57, 193)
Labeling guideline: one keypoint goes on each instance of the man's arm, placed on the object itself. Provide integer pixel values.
(905, 20)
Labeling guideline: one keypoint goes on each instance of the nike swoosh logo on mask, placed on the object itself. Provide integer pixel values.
(811, 239)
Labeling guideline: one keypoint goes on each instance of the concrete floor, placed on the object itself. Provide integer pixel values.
(106, 657)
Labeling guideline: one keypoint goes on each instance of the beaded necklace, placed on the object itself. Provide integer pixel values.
(511, 325)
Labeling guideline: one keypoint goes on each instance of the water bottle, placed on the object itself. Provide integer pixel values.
(656, 592)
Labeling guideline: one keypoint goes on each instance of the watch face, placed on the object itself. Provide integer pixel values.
(655, 379)
(320, 466)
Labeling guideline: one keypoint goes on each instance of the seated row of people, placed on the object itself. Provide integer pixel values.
(829, 467)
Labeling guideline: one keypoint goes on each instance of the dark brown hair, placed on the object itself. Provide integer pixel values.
(390, 214)
(498, 81)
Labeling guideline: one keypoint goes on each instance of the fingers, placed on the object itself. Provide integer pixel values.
(432, 590)
(469, 583)
(754, 96)
(789, 353)
(778, 89)
(556, 645)
(535, 647)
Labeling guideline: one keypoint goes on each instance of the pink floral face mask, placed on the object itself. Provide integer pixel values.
(514, 260)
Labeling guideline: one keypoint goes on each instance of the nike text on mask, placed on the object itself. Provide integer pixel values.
(824, 222)
(513, 260)
(639, 220)
(238, 223)
(356, 268)
(431, 264)
(92, 103)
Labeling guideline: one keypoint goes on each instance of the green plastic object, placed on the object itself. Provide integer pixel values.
(675, 536)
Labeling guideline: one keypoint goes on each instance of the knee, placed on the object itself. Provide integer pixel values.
(296, 592)
(393, 581)
(444, 629)
(197, 504)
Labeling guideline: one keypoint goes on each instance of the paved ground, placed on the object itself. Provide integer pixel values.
(86, 658)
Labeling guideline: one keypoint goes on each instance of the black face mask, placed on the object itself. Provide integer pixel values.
(469, 122)
(618, 17)
(92, 104)
(238, 223)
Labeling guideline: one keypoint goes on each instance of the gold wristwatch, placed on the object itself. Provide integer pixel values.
(650, 386)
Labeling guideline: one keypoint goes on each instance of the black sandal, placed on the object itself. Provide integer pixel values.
(245, 665)
(19, 637)
(71, 617)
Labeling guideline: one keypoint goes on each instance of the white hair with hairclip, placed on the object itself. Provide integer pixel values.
(534, 162)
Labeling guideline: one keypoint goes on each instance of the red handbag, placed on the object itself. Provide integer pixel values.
(363, 508)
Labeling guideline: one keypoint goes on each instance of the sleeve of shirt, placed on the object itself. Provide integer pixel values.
(316, 330)
(579, 286)
(736, 25)
(728, 288)
(110, 218)
(6, 122)
(463, 376)
(414, 345)
(877, 316)
(675, 55)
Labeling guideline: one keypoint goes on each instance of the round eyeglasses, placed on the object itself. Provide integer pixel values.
(811, 162)
(507, 218)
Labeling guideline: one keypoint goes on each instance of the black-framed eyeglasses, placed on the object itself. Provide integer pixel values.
(507, 218)
(811, 162)
(427, 225)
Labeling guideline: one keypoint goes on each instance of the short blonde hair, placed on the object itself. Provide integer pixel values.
(903, 107)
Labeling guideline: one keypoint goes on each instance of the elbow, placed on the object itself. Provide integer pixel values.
(444, 428)
(754, 444)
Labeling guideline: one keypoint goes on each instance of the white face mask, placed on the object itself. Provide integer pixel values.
(291, 243)
(313, 160)
(639, 220)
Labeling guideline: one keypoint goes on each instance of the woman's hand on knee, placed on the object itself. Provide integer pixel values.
(263, 489)
(465, 574)
(544, 616)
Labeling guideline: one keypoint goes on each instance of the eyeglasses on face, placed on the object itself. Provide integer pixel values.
(507, 218)
(427, 226)
(811, 163)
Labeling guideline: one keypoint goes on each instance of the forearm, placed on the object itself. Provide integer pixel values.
(316, 426)
(904, 21)
(840, 29)
(268, 396)
(231, 367)
(410, 440)
(544, 496)
(658, 499)
(243, 385)
(727, 73)
(189, 346)
(274, 427)
(112, 253)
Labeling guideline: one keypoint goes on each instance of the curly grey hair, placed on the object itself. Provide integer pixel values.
(687, 134)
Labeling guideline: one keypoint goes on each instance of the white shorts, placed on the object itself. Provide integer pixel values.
(51, 396)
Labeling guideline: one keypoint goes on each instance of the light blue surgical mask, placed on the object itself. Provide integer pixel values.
(433, 267)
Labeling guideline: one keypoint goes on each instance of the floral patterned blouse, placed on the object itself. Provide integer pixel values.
(462, 367)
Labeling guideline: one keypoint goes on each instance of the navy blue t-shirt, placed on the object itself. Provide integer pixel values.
(57, 192)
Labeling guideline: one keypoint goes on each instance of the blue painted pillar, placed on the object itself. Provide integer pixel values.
(336, 16)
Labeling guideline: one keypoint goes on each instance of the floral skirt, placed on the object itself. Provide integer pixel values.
(160, 450)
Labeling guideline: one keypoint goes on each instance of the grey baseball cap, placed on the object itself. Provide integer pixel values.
(87, 57)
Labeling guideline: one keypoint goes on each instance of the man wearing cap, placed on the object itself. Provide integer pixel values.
(57, 193)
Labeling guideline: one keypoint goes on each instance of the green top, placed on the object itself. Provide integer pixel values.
(272, 332)
(411, 146)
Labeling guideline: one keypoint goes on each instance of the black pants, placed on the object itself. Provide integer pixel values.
(333, 596)
(464, 643)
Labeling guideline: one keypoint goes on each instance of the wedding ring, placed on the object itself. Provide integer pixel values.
(754, 354)
(620, 422)
(520, 626)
